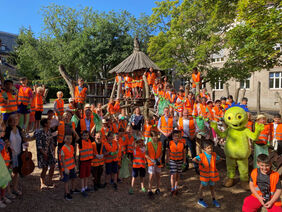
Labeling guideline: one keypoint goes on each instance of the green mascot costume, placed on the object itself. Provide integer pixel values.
(237, 149)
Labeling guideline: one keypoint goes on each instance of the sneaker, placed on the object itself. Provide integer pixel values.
(10, 196)
(68, 197)
(202, 203)
(157, 191)
(115, 186)
(131, 191)
(84, 194)
(2, 204)
(143, 190)
(150, 194)
(6, 200)
(216, 203)
(75, 191)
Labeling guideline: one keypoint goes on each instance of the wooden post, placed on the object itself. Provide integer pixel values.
(227, 89)
(147, 96)
(237, 94)
(258, 98)
(119, 89)
(113, 91)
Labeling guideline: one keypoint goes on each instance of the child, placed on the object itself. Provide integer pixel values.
(176, 155)
(147, 130)
(130, 140)
(98, 161)
(244, 101)
(153, 156)
(85, 157)
(265, 186)
(72, 108)
(208, 172)
(68, 166)
(139, 164)
(276, 133)
(111, 159)
(59, 105)
(38, 106)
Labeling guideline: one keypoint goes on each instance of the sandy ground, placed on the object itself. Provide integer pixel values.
(33, 199)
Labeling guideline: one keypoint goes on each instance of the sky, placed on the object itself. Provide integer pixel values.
(15, 14)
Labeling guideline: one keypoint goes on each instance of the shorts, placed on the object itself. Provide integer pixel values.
(138, 171)
(22, 109)
(71, 175)
(112, 167)
(6, 115)
(38, 115)
(154, 169)
(84, 169)
(175, 166)
(210, 183)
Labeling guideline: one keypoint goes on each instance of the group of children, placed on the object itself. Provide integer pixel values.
(158, 144)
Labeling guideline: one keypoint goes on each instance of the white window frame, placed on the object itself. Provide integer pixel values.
(244, 82)
(219, 87)
(279, 77)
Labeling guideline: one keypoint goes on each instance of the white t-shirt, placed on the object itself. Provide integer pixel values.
(16, 141)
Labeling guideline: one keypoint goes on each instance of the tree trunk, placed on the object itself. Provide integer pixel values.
(147, 96)
(258, 98)
(237, 95)
(119, 89)
(213, 95)
(244, 93)
(69, 80)
(227, 89)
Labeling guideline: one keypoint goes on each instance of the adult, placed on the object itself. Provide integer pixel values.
(8, 100)
(165, 126)
(45, 147)
(25, 95)
(15, 135)
(187, 126)
(196, 80)
(137, 120)
(80, 93)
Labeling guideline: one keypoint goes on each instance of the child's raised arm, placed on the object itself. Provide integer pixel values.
(195, 160)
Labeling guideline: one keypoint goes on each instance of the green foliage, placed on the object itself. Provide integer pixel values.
(192, 31)
(86, 42)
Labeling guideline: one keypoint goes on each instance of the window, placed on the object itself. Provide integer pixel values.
(218, 85)
(245, 84)
(275, 80)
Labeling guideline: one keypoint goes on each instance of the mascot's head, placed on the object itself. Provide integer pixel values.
(236, 116)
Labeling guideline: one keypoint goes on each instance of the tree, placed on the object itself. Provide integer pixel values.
(81, 42)
(191, 32)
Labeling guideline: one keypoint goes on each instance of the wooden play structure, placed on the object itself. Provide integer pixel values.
(139, 62)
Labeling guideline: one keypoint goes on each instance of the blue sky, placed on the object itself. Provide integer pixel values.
(15, 14)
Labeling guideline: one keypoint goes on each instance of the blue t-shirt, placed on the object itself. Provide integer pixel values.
(208, 157)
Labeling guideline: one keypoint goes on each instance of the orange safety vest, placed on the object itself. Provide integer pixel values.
(61, 131)
(210, 113)
(105, 131)
(202, 110)
(278, 133)
(155, 89)
(195, 110)
(32, 106)
(83, 125)
(122, 124)
(154, 124)
(68, 157)
(208, 171)
(188, 104)
(179, 104)
(95, 161)
(196, 78)
(250, 125)
(110, 148)
(207, 95)
(12, 106)
(39, 102)
(147, 130)
(218, 112)
(139, 159)
(71, 108)
(122, 146)
(6, 156)
(86, 152)
(151, 76)
(161, 93)
(192, 128)
(166, 127)
(176, 150)
(23, 95)
(114, 127)
(128, 81)
(274, 178)
(153, 154)
(80, 96)
(263, 136)
(60, 106)
(129, 146)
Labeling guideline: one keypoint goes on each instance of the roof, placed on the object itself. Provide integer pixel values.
(136, 61)
(8, 40)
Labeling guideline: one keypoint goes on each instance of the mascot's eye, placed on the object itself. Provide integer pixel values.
(229, 118)
(239, 116)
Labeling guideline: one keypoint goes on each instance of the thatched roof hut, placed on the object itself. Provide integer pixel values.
(138, 60)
